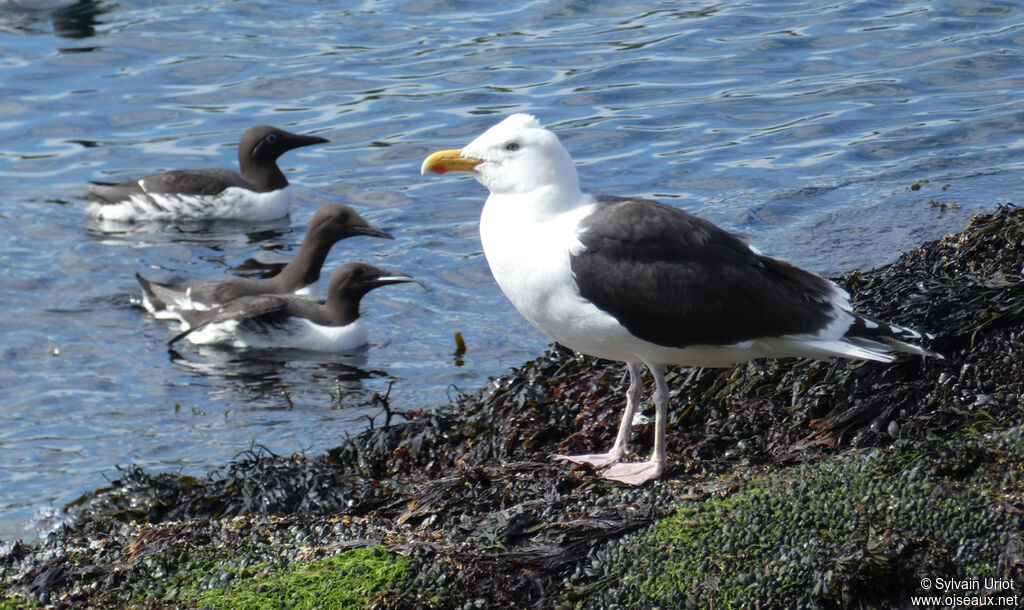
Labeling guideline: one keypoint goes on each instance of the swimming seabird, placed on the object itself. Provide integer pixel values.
(329, 225)
(260, 192)
(644, 283)
(292, 321)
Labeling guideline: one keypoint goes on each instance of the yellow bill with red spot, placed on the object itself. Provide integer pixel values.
(444, 161)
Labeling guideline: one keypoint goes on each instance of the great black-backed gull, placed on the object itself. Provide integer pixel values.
(637, 281)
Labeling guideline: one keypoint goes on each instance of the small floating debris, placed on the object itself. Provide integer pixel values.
(460, 349)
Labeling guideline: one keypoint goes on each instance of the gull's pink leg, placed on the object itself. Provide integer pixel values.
(640, 472)
(621, 446)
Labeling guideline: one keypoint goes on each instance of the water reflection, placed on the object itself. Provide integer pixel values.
(78, 20)
(200, 232)
(273, 378)
(70, 19)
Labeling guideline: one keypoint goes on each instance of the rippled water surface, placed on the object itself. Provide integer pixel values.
(800, 125)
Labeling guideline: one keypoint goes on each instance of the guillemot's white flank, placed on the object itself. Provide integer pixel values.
(260, 192)
(637, 281)
(294, 322)
(331, 223)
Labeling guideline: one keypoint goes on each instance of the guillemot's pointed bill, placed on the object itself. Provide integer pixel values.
(259, 192)
(634, 280)
(330, 224)
(295, 322)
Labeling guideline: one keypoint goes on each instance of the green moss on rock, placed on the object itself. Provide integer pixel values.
(855, 530)
(347, 581)
(16, 602)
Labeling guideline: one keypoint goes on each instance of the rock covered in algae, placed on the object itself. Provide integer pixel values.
(861, 530)
(792, 484)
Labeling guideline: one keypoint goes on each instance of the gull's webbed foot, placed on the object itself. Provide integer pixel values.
(634, 473)
(597, 460)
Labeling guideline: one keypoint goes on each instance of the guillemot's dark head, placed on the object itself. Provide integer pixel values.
(259, 149)
(359, 278)
(336, 221)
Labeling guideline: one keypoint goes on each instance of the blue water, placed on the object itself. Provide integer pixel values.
(800, 125)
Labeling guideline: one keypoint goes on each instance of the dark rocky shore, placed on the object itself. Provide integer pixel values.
(791, 484)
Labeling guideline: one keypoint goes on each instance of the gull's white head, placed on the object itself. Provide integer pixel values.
(516, 156)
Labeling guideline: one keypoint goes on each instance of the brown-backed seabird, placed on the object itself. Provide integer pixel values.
(295, 322)
(260, 192)
(330, 224)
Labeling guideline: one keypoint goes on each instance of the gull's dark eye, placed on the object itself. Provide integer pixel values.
(512, 146)
(271, 138)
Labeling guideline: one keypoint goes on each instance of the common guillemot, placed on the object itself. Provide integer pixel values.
(644, 283)
(295, 322)
(330, 224)
(260, 192)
